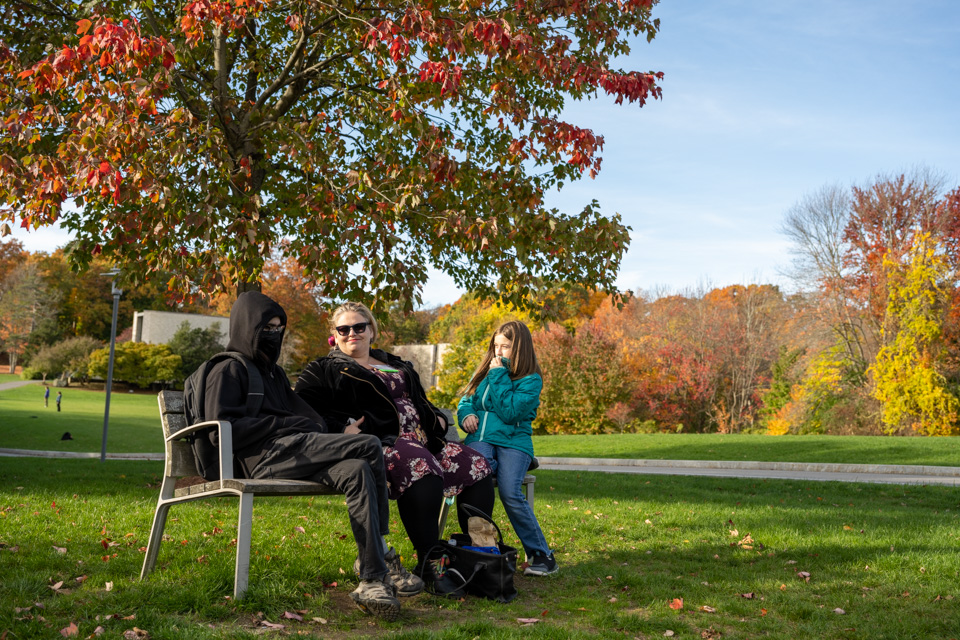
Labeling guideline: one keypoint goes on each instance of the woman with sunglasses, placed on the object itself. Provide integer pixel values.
(359, 389)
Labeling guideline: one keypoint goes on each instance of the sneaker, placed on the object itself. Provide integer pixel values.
(376, 598)
(404, 583)
(542, 565)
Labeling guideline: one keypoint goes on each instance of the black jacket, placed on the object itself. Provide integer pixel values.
(282, 412)
(338, 388)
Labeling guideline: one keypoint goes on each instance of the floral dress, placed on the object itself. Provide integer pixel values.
(409, 460)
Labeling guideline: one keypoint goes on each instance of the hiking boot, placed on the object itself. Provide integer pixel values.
(376, 598)
(541, 565)
(404, 583)
(442, 580)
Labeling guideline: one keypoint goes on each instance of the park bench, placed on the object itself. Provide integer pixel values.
(181, 484)
(180, 466)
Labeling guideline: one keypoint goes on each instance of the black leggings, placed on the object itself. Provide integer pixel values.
(420, 505)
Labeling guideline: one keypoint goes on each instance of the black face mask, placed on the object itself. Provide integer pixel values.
(268, 347)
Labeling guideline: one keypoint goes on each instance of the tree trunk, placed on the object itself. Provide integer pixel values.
(249, 286)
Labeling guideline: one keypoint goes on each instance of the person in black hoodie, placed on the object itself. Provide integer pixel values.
(288, 439)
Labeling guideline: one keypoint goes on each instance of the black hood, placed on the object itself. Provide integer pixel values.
(250, 313)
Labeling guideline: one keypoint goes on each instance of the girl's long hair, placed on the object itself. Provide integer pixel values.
(523, 358)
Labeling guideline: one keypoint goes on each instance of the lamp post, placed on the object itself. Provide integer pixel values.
(113, 273)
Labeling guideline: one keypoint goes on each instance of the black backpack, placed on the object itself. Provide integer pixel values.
(194, 392)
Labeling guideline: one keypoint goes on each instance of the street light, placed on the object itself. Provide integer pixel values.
(113, 273)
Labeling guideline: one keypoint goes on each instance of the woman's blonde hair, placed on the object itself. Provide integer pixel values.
(523, 357)
(354, 307)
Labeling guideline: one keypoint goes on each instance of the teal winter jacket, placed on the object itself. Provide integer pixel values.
(504, 408)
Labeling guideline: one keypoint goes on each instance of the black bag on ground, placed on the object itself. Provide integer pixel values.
(487, 575)
(194, 390)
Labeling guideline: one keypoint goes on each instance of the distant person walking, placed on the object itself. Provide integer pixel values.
(59, 396)
(46, 397)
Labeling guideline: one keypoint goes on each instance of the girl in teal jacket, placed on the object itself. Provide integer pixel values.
(497, 410)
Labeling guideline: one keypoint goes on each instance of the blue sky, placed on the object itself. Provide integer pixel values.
(763, 101)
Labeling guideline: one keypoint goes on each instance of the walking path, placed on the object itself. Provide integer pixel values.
(871, 473)
(16, 383)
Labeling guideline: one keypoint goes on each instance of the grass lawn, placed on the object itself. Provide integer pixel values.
(134, 428)
(27, 424)
(715, 446)
(776, 559)
(9, 377)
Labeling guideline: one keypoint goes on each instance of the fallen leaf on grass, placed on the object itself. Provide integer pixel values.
(70, 631)
(804, 574)
(108, 586)
(99, 631)
(612, 599)
(676, 604)
(668, 633)
(528, 621)
(271, 625)
(708, 609)
(81, 579)
(59, 549)
(839, 611)
(763, 612)
(319, 620)
(56, 587)
(136, 634)
(748, 596)
(292, 616)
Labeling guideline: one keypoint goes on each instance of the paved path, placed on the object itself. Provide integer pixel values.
(872, 473)
(16, 383)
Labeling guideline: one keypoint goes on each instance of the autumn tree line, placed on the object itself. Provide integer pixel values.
(866, 342)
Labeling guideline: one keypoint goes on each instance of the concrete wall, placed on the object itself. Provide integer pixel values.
(426, 359)
(158, 327)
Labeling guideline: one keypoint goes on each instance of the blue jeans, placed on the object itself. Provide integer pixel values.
(511, 466)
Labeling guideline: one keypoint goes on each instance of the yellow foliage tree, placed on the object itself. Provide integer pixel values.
(905, 374)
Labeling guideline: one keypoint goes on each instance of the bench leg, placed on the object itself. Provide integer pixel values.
(156, 537)
(529, 488)
(444, 512)
(244, 527)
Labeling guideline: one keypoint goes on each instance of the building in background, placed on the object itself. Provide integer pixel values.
(158, 327)
(426, 359)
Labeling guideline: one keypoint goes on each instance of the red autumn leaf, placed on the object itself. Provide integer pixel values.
(676, 604)
(70, 631)
(83, 26)
(763, 612)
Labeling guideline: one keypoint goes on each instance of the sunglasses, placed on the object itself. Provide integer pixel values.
(360, 327)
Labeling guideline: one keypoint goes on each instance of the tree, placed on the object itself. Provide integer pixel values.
(24, 304)
(368, 142)
(583, 379)
(11, 254)
(66, 359)
(195, 346)
(908, 384)
(137, 363)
